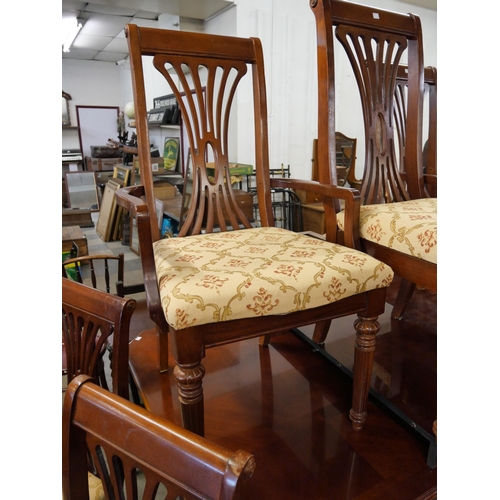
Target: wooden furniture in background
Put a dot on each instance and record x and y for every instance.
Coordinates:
(78, 217)
(207, 56)
(313, 213)
(125, 441)
(375, 41)
(346, 158)
(73, 234)
(89, 318)
(101, 268)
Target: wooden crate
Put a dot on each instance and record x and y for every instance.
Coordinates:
(77, 217)
(74, 234)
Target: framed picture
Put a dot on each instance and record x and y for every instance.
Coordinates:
(81, 190)
(122, 173)
(170, 153)
(107, 214)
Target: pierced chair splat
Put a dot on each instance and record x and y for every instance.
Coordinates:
(223, 280)
(89, 318)
(398, 222)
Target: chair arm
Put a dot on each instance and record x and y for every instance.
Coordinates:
(329, 193)
(130, 198)
(430, 179)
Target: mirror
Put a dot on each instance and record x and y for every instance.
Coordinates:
(66, 122)
(82, 190)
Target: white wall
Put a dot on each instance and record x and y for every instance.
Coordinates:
(89, 83)
(286, 29)
(287, 32)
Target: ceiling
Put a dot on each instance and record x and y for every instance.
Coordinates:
(102, 37)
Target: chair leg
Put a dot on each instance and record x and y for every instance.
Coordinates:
(190, 390)
(321, 331)
(162, 350)
(406, 289)
(366, 331)
(264, 340)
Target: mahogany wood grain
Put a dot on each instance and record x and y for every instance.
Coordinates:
(124, 440)
(288, 406)
(89, 318)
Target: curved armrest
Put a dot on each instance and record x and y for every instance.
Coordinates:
(430, 179)
(329, 193)
(130, 198)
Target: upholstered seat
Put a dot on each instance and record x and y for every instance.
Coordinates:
(262, 271)
(410, 227)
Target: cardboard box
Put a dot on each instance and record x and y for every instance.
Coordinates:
(313, 218)
(157, 167)
(99, 164)
(164, 190)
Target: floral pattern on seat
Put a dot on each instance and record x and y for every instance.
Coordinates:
(257, 272)
(409, 227)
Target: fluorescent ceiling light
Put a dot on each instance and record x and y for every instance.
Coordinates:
(73, 28)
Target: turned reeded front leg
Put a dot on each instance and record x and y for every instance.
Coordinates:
(366, 330)
(190, 390)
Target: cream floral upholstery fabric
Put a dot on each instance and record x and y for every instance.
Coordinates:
(409, 227)
(257, 272)
(96, 489)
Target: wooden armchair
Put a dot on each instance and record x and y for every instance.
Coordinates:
(89, 318)
(397, 221)
(222, 279)
(133, 449)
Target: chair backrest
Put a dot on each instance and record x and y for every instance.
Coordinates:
(203, 72)
(101, 268)
(376, 41)
(98, 265)
(126, 441)
(89, 318)
(400, 111)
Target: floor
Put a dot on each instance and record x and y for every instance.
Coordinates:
(288, 405)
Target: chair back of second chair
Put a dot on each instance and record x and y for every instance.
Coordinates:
(375, 42)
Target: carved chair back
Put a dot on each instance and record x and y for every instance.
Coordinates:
(89, 318)
(376, 43)
(430, 121)
(205, 88)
